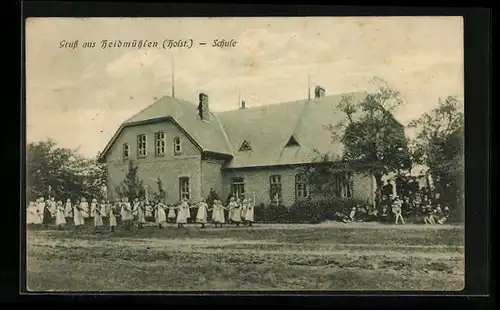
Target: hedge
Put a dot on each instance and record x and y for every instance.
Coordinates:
(314, 211)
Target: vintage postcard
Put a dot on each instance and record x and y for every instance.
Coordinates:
(244, 154)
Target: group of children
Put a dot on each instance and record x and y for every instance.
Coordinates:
(397, 209)
(42, 212)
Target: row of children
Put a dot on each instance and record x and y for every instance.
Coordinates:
(45, 212)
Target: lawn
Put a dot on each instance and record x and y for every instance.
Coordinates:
(330, 256)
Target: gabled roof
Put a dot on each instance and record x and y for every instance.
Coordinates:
(270, 127)
(208, 136)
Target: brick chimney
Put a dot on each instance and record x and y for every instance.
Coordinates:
(319, 92)
(203, 110)
(243, 105)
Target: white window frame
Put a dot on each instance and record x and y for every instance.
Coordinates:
(142, 146)
(177, 146)
(125, 149)
(160, 143)
(238, 186)
(302, 190)
(184, 190)
(275, 181)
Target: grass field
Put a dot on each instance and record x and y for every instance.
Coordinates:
(330, 256)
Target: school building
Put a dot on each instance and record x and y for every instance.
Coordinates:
(251, 151)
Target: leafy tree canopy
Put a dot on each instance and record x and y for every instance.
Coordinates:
(62, 173)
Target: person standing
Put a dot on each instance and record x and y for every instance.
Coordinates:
(236, 212)
(68, 210)
(249, 214)
(41, 208)
(78, 218)
(112, 218)
(60, 216)
(202, 213)
(52, 206)
(182, 214)
(47, 215)
(139, 211)
(126, 213)
(84, 205)
(97, 216)
(161, 219)
(218, 213)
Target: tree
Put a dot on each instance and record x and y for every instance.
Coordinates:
(160, 195)
(439, 145)
(61, 173)
(373, 139)
(131, 186)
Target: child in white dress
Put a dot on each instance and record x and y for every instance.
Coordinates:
(78, 218)
(183, 213)
(236, 211)
(68, 209)
(84, 206)
(126, 213)
(97, 216)
(112, 218)
(104, 208)
(202, 214)
(244, 207)
(171, 214)
(161, 219)
(139, 211)
(249, 215)
(218, 213)
(60, 218)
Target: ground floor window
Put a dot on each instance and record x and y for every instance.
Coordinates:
(301, 187)
(275, 188)
(238, 187)
(184, 189)
(343, 184)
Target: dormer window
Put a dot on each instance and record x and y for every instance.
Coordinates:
(292, 142)
(245, 146)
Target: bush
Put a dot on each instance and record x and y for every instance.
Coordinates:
(314, 211)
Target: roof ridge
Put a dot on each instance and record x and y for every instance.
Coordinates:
(226, 138)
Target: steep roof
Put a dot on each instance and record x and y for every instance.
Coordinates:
(269, 128)
(209, 136)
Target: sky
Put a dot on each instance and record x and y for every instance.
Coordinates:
(79, 97)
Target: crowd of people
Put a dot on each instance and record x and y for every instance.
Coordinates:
(137, 213)
(410, 202)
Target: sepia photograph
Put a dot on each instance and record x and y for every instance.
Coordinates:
(244, 154)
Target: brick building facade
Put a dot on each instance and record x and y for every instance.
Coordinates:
(252, 152)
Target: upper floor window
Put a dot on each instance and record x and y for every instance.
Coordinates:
(301, 187)
(275, 188)
(125, 150)
(160, 143)
(177, 146)
(141, 146)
